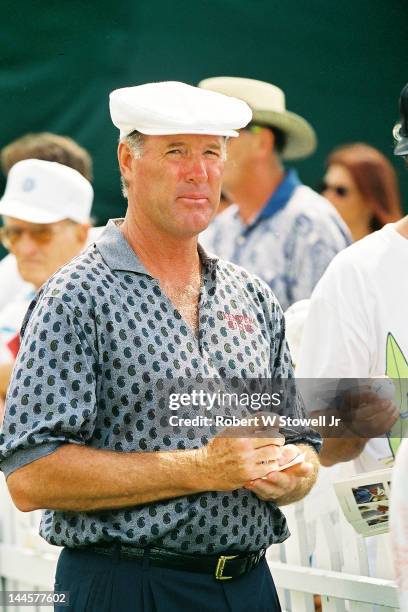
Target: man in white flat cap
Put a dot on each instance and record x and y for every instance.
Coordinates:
(46, 214)
(152, 517)
(279, 228)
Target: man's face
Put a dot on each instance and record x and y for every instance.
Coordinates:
(175, 185)
(241, 154)
(40, 249)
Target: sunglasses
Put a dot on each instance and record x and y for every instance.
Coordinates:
(41, 234)
(339, 190)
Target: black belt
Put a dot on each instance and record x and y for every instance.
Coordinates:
(222, 567)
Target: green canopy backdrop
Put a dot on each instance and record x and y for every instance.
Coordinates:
(341, 65)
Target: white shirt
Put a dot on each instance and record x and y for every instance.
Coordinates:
(357, 325)
(11, 283)
(399, 522)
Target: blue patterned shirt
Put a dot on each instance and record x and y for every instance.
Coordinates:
(100, 346)
(289, 244)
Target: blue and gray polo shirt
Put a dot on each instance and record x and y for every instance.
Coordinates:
(99, 345)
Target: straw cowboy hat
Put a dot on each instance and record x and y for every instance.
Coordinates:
(268, 106)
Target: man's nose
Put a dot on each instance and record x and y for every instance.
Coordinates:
(26, 244)
(196, 170)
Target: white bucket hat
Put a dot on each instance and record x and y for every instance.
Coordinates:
(268, 107)
(39, 191)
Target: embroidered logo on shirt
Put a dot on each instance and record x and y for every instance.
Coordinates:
(240, 322)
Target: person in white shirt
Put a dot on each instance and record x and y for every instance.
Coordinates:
(357, 329)
(399, 488)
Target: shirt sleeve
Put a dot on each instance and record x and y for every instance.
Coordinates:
(51, 398)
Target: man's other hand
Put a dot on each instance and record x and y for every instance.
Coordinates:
(288, 485)
(368, 415)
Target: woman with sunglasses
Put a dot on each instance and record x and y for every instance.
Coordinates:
(362, 185)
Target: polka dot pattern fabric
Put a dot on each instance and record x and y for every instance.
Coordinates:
(98, 345)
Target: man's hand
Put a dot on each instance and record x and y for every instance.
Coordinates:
(363, 414)
(227, 463)
(289, 485)
(84, 479)
(367, 415)
(365, 408)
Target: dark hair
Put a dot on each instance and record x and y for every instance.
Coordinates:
(280, 137)
(49, 147)
(375, 179)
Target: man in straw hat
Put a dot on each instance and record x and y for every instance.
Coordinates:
(279, 229)
(151, 517)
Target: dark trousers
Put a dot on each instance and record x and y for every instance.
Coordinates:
(110, 584)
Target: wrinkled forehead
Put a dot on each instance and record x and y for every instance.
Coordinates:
(186, 139)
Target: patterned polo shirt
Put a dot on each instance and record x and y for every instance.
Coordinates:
(98, 345)
(290, 242)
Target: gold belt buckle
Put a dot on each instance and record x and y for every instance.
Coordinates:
(220, 567)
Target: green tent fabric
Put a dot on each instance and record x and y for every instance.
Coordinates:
(341, 65)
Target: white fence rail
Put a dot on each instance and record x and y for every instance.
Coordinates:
(339, 573)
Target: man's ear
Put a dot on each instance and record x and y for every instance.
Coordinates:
(266, 143)
(125, 158)
(82, 230)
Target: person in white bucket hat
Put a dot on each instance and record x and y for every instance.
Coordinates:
(46, 215)
(278, 228)
(169, 518)
(49, 147)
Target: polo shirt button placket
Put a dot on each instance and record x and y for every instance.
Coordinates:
(202, 343)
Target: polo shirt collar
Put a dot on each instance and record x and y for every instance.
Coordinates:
(281, 195)
(119, 255)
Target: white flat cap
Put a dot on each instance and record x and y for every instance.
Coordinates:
(170, 107)
(39, 191)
